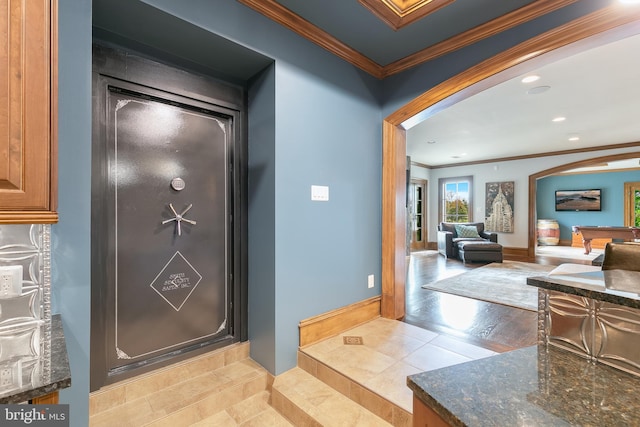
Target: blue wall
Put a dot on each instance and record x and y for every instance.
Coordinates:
(612, 200)
(326, 118)
(314, 120)
(71, 250)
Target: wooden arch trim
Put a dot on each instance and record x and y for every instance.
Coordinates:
(533, 180)
(443, 95)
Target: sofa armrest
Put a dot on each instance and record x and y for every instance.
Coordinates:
(490, 236)
(445, 243)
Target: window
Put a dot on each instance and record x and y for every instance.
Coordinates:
(455, 199)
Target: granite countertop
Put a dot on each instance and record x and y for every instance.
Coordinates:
(620, 287)
(533, 386)
(29, 377)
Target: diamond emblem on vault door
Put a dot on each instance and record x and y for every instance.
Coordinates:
(176, 281)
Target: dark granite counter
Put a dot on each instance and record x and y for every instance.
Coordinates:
(534, 386)
(615, 286)
(25, 377)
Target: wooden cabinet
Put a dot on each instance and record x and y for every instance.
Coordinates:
(28, 111)
(423, 416)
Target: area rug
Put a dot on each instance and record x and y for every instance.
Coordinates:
(502, 283)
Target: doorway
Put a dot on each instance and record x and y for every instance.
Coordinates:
(167, 265)
(632, 204)
(418, 214)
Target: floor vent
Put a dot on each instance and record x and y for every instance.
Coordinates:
(352, 340)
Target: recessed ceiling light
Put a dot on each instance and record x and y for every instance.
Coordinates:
(559, 119)
(529, 79)
(574, 138)
(431, 142)
(538, 89)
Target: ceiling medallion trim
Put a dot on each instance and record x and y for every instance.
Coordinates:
(400, 13)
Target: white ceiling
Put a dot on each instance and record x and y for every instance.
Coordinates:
(598, 91)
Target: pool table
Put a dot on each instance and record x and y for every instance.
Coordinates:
(604, 232)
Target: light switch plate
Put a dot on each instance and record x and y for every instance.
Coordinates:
(319, 193)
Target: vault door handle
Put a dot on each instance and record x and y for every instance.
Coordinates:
(179, 217)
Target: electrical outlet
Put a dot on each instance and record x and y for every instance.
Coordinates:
(10, 281)
(371, 281)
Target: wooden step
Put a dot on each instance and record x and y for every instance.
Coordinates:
(306, 401)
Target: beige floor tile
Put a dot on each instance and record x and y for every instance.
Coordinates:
(307, 363)
(334, 379)
(392, 385)
(340, 411)
(268, 418)
(397, 346)
(221, 419)
(372, 401)
(106, 399)
(186, 417)
(207, 363)
(465, 349)
(357, 362)
(324, 347)
(430, 357)
(171, 399)
(249, 407)
(132, 414)
(214, 403)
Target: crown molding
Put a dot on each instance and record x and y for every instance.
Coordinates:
(533, 156)
(285, 17)
(507, 21)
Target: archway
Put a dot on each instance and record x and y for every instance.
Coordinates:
(610, 23)
(533, 180)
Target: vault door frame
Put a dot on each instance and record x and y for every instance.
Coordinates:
(113, 65)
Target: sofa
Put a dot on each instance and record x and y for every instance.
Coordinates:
(468, 241)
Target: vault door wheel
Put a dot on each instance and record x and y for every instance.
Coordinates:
(178, 218)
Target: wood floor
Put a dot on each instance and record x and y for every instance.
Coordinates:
(493, 326)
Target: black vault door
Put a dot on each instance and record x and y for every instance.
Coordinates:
(169, 181)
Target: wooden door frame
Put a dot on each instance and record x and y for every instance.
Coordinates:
(629, 201)
(572, 37)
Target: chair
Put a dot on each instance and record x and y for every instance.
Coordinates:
(621, 256)
(468, 242)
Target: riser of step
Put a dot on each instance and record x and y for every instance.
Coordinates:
(373, 402)
(306, 401)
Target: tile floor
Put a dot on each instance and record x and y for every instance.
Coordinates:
(390, 351)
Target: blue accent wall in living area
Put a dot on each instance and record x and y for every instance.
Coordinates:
(612, 199)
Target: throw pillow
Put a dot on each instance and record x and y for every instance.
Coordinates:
(467, 231)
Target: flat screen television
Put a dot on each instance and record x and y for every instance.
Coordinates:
(578, 200)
